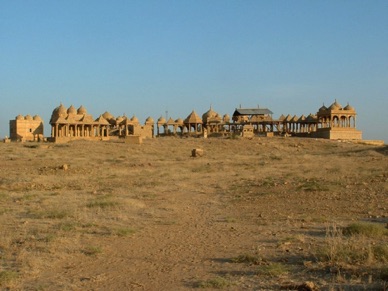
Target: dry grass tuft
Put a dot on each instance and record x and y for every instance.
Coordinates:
(91, 250)
(354, 247)
(124, 231)
(102, 203)
(215, 283)
(250, 259)
(273, 270)
(264, 199)
(372, 230)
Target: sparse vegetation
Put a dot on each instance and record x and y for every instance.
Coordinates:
(314, 185)
(250, 259)
(215, 283)
(3, 196)
(359, 244)
(92, 250)
(124, 231)
(272, 269)
(152, 214)
(7, 277)
(372, 230)
(102, 203)
(67, 226)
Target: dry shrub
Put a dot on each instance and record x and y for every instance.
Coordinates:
(372, 230)
(102, 203)
(123, 231)
(273, 270)
(91, 250)
(250, 259)
(356, 244)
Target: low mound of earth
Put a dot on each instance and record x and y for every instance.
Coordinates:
(249, 214)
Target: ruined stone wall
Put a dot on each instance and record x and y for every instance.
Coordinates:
(145, 131)
(26, 130)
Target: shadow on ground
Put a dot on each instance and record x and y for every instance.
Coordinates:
(383, 150)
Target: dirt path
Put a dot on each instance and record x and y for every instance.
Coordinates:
(185, 220)
(188, 240)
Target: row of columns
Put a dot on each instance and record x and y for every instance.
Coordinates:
(191, 128)
(79, 130)
(337, 121)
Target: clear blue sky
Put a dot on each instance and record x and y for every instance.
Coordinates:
(148, 57)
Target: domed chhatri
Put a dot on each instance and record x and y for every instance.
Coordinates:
(150, 120)
(72, 124)
(134, 119)
(208, 115)
(337, 123)
(332, 122)
(161, 120)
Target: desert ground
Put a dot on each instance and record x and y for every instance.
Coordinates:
(250, 214)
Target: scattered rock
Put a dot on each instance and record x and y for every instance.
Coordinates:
(306, 286)
(64, 167)
(197, 153)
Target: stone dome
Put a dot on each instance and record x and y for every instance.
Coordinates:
(161, 120)
(226, 118)
(323, 108)
(179, 121)
(60, 110)
(107, 115)
(149, 120)
(349, 107)
(71, 110)
(81, 110)
(19, 117)
(28, 117)
(134, 119)
(209, 114)
(335, 106)
(37, 118)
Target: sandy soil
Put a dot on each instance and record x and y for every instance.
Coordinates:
(248, 215)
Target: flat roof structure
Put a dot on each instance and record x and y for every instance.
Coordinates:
(252, 111)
